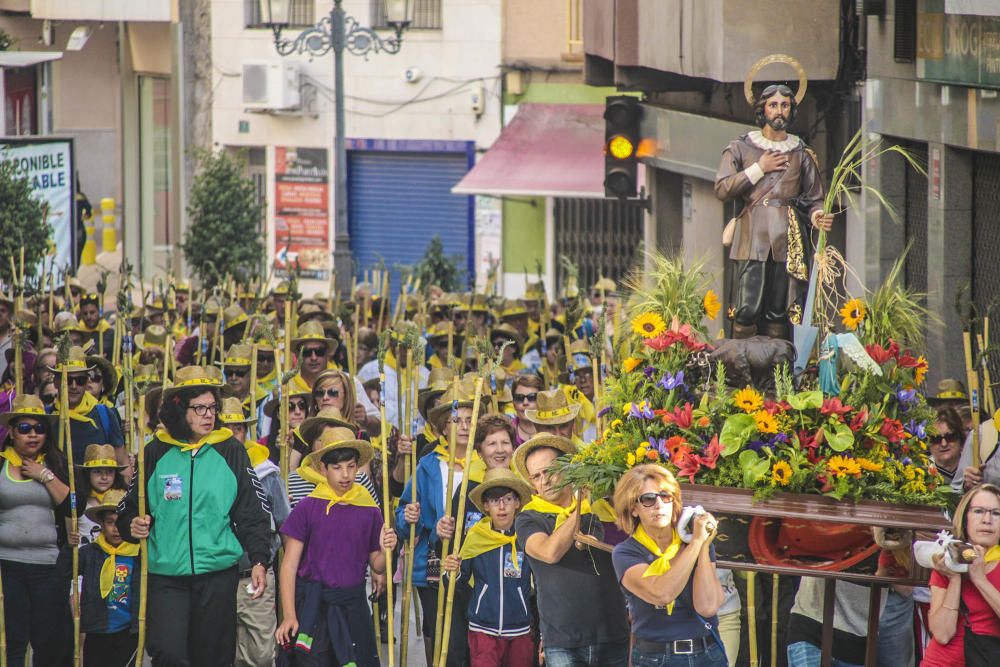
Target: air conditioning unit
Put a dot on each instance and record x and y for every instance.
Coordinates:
(271, 86)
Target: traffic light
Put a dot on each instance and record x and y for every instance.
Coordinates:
(621, 140)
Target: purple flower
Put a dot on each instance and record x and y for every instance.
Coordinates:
(671, 382)
(906, 396)
(906, 460)
(641, 411)
(919, 430)
(604, 411)
(778, 439)
(648, 372)
(757, 445)
(661, 447)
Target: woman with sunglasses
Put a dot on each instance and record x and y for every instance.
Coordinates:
(524, 390)
(204, 512)
(299, 405)
(946, 447)
(672, 589)
(964, 619)
(33, 486)
(337, 389)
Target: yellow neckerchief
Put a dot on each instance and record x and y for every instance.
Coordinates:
(539, 504)
(482, 538)
(602, 510)
(98, 496)
(390, 360)
(101, 327)
(992, 554)
(476, 466)
(179, 329)
(662, 562)
(80, 412)
(587, 411)
(215, 437)
(357, 496)
(261, 395)
(108, 568)
(514, 368)
(15, 459)
(298, 385)
(429, 433)
(267, 381)
(435, 362)
(257, 452)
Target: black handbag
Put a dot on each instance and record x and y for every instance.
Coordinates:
(980, 650)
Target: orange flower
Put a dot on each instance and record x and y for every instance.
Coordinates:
(652, 455)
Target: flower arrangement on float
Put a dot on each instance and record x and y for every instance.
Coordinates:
(865, 440)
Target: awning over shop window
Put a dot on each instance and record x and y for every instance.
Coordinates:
(27, 58)
(551, 150)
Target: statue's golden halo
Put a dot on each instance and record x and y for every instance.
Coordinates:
(770, 60)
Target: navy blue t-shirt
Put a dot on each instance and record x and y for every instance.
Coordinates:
(105, 430)
(120, 598)
(651, 623)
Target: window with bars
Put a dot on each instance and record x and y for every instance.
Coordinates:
(302, 14)
(600, 236)
(905, 31)
(426, 15)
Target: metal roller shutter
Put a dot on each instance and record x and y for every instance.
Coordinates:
(986, 233)
(398, 201)
(915, 219)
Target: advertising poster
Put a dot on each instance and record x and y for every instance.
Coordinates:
(48, 165)
(302, 211)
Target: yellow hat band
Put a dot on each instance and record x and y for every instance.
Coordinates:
(30, 411)
(239, 320)
(101, 463)
(193, 382)
(558, 412)
(236, 361)
(951, 394)
(232, 418)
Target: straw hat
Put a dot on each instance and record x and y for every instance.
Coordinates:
(65, 321)
(238, 356)
(232, 412)
(510, 333)
(438, 382)
(100, 456)
(501, 478)
(948, 389)
(340, 438)
(313, 332)
(552, 408)
(535, 292)
(153, 338)
(112, 499)
(564, 445)
(212, 308)
(313, 311)
(27, 405)
(311, 428)
(194, 376)
(512, 308)
(439, 333)
(463, 398)
(580, 356)
(606, 285)
(146, 374)
(76, 362)
(271, 407)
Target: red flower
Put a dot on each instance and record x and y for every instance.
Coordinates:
(710, 454)
(677, 446)
(774, 408)
(807, 441)
(878, 353)
(687, 465)
(906, 360)
(892, 430)
(676, 334)
(858, 422)
(680, 416)
(833, 406)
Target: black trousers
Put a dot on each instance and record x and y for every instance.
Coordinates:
(192, 620)
(761, 293)
(112, 649)
(36, 610)
(458, 641)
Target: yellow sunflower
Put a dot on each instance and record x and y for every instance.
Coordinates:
(853, 313)
(869, 465)
(842, 466)
(781, 474)
(649, 325)
(631, 364)
(711, 304)
(766, 423)
(920, 372)
(748, 400)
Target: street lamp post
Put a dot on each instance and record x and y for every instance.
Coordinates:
(338, 32)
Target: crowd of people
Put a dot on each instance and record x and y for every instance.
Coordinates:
(287, 478)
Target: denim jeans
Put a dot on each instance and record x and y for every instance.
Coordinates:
(596, 655)
(713, 657)
(804, 654)
(36, 610)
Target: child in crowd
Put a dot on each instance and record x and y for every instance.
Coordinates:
(499, 612)
(109, 607)
(330, 538)
(98, 473)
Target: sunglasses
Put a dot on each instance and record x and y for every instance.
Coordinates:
(49, 399)
(944, 437)
(297, 405)
(649, 499)
(24, 428)
(526, 398)
(314, 352)
(265, 358)
(329, 393)
(78, 380)
(238, 374)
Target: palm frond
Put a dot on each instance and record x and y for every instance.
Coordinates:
(669, 289)
(897, 312)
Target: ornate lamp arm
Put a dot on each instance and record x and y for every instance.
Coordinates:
(318, 40)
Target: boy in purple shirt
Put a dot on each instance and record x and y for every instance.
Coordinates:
(330, 538)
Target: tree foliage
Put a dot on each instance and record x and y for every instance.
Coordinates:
(435, 268)
(224, 236)
(23, 222)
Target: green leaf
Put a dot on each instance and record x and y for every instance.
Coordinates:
(806, 400)
(735, 432)
(840, 439)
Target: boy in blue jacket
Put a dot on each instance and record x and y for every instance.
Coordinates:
(499, 610)
(109, 599)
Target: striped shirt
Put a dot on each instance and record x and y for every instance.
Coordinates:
(299, 488)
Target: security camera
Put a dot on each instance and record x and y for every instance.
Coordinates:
(413, 74)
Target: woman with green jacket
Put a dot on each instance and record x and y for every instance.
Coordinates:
(206, 508)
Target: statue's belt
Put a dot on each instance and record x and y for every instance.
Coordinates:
(776, 203)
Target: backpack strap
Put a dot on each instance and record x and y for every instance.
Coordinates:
(102, 411)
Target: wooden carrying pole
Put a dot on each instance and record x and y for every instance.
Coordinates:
(459, 520)
(449, 492)
(404, 630)
(972, 378)
(286, 358)
(387, 520)
(66, 444)
(253, 391)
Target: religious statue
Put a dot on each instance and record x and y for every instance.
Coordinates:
(775, 177)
